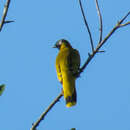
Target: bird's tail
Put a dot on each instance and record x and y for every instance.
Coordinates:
(71, 100)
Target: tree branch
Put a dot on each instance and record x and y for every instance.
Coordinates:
(34, 125)
(90, 57)
(100, 20)
(121, 25)
(118, 25)
(86, 24)
(6, 7)
(122, 20)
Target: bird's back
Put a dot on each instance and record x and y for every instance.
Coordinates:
(68, 62)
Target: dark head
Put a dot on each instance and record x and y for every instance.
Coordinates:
(62, 43)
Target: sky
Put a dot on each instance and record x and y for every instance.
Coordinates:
(28, 66)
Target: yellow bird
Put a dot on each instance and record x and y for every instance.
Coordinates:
(67, 67)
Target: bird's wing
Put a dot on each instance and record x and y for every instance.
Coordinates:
(74, 61)
(58, 68)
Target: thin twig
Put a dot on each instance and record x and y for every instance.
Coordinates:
(85, 21)
(121, 21)
(118, 25)
(46, 111)
(9, 21)
(6, 7)
(100, 20)
(121, 25)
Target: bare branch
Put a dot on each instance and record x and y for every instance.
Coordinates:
(122, 20)
(6, 7)
(121, 25)
(100, 20)
(118, 25)
(86, 24)
(46, 111)
(9, 21)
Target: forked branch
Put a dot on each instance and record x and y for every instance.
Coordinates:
(5, 10)
(91, 55)
(117, 26)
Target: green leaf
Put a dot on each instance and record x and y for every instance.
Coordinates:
(2, 88)
(73, 128)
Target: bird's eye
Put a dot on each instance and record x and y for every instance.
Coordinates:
(60, 42)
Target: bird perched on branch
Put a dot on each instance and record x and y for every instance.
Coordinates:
(67, 68)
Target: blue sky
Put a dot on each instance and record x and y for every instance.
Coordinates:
(28, 66)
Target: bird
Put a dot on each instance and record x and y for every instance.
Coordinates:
(67, 69)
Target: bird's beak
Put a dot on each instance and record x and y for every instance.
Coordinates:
(54, 46)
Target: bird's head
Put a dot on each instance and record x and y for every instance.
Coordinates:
(61, 44)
